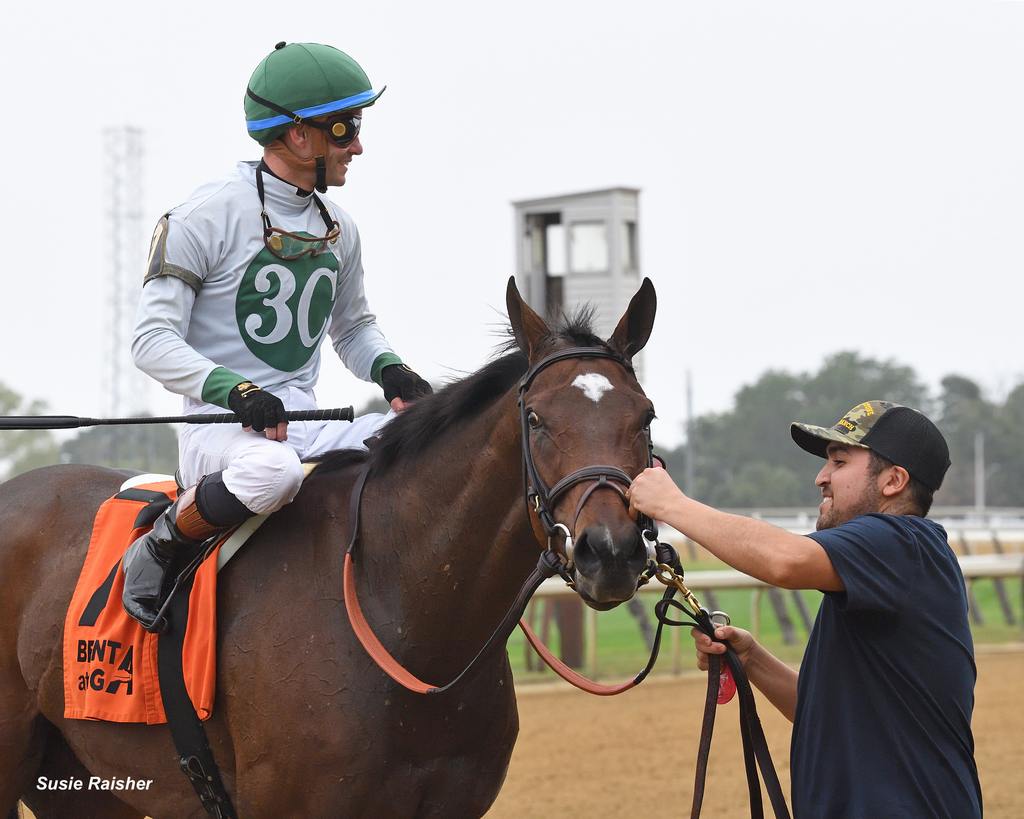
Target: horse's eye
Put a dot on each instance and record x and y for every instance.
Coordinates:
(533, 419)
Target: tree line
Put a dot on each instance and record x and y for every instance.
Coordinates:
(743, 457)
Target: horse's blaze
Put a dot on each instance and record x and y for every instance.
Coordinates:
(593, 385)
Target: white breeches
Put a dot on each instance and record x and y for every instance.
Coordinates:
(263, 474)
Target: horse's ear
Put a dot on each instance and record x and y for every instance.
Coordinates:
(635, 326)
(528, 328)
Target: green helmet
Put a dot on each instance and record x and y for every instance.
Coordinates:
(302, 80)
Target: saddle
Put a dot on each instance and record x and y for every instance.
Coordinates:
(110, 662)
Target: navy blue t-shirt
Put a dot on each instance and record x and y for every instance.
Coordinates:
(886, 687)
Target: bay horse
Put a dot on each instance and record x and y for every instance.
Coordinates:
(305, 724)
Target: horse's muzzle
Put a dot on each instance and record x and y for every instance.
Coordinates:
(608, 565)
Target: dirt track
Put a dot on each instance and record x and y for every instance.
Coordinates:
(633, 755)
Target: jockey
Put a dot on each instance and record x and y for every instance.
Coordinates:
(243, 281)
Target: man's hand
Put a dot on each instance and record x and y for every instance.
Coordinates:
(258, 410)
(402, 386)
(654, 493)
(776, 680)
(742, 643)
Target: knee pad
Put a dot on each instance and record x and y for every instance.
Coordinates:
(216, 503)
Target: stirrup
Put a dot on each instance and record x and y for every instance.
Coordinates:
(160, 621)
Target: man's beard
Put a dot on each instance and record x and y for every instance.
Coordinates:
(869, 501)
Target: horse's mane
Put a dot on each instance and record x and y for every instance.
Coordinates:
(429, 418)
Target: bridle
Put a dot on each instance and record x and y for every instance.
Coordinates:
(663, 563)
(542, 500)
(552, 561)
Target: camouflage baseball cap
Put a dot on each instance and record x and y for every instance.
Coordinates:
(897, 433)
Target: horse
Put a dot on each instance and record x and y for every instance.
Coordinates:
(305, 724)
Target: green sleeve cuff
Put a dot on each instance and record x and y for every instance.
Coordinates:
(379, 363)
(218, 384)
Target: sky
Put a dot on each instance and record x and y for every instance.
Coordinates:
(814, 177)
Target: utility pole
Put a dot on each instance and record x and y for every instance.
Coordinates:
(979, 472)
(125, 259)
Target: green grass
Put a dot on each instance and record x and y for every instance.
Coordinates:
(995, 628)
(621, 651)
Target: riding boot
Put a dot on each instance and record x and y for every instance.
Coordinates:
(152, 562)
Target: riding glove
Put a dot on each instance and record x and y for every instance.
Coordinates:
(254, 407)
(399, 381)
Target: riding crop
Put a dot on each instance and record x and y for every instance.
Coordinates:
(73, 421)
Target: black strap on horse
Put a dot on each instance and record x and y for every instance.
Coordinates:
(542, 499)
(755, 746)
(549, 563)
(194, 754)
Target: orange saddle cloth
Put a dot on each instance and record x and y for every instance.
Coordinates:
(110, 661)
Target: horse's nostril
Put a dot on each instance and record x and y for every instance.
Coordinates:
(584, 555)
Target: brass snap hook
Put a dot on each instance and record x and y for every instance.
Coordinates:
(670, 577)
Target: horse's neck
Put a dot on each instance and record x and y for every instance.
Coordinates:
(448, 541)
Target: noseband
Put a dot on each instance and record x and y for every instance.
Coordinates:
(542, 499)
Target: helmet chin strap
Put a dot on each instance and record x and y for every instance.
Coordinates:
(295, 163)
(321, 174)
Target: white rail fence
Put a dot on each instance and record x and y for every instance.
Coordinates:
(974, 566)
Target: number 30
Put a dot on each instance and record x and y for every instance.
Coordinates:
(283, 318)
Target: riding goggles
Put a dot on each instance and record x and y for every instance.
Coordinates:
(288, 246)
(341, 129)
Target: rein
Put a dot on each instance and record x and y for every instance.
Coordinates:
(541, 500)
(547, 566)
(663, 564)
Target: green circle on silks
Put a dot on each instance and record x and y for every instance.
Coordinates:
(283, 307)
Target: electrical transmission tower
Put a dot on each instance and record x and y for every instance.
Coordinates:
(126, 388)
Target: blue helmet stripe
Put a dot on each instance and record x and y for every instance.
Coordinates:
(315, 111)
